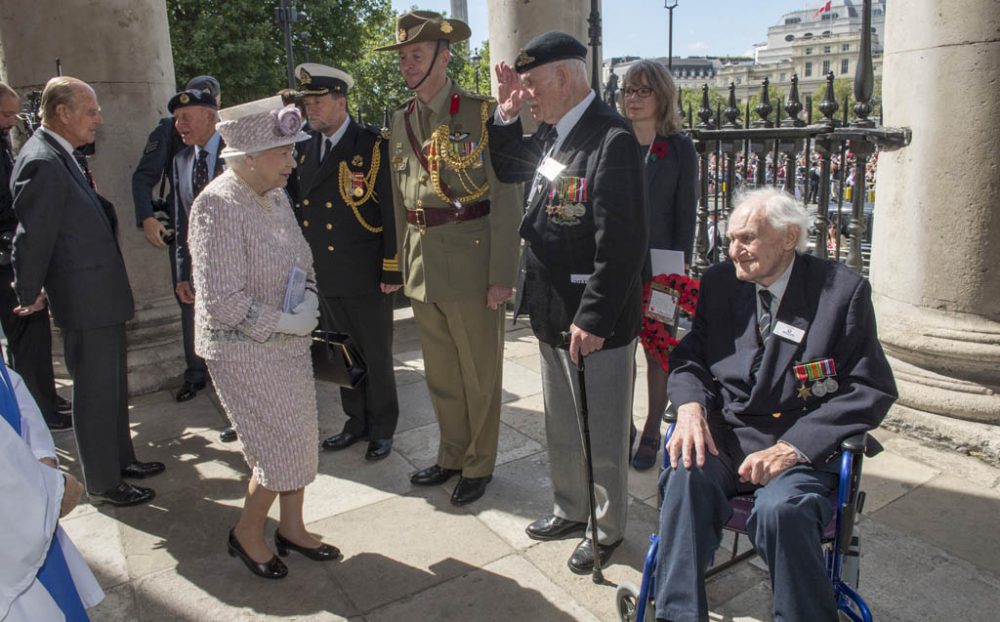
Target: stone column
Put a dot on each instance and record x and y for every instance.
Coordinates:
(936, 243)
(122, 49)
(513, 23)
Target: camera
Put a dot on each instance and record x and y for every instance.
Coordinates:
(161, 213)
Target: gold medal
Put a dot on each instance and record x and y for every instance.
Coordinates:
(358, 191)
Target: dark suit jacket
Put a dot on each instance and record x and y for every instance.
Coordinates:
(180, 181)
(66, 240)
(833, 306)
(349, 258)
(672, 197)
(8, 221)
(587, 273)
(155, 165)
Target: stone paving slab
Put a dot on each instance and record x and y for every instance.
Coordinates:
(927, 548)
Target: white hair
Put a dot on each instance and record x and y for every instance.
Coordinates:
(780, 209)
(576, 68)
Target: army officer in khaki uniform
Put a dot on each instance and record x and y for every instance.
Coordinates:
(458, 241)
(344, 201)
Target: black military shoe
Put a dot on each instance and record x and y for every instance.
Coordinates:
(123, 495)
(552, 527)
(228, 435)
(141, 470)
(582, 559)
(341, 441)
(63, 406)
(60, 422)
(433, 475)
(189, 390)
(469, 489)
(378, 450)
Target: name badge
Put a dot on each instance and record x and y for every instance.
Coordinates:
(550, 168)
(789, 332)
(579, 279)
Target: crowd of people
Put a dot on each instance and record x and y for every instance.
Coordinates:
(277, 222)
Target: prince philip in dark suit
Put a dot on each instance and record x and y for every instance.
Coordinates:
(782, 363)
(585, 243)
(67, 243)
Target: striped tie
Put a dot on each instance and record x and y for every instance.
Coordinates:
(764, 321)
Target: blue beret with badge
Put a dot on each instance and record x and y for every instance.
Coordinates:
(192, 97)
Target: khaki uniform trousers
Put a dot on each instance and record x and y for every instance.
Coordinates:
(462, 343)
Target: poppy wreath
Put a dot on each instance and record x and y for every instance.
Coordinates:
(655, 336)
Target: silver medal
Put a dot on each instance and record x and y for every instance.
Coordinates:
(831, 385)
(819, 388)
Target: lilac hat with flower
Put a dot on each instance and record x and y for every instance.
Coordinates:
(258, 126)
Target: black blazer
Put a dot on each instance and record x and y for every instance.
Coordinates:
(586, 272)
(672, 197)
(66, 240)
(350, 259)
(828, 301)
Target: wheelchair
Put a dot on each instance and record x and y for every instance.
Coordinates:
(840, 542)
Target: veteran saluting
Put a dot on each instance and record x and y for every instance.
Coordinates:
(344, 201)
(457, 231)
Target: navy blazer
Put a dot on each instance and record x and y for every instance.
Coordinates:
(66, 240)
(183, 200)
(672, 197)
(828, 301)
(586, 272)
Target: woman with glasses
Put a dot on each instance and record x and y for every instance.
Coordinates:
(649, 102)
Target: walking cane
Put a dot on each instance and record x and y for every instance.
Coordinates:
(581, 375)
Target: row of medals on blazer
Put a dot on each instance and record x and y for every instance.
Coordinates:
(356, 187)
(444, 146)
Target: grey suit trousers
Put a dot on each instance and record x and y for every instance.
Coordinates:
(785, 526)
(609, 378)
(96, 360)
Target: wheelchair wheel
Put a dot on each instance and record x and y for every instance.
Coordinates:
(627, 601)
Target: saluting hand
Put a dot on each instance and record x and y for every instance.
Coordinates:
(509, 93)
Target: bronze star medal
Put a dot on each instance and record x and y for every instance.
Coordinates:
(804, 392)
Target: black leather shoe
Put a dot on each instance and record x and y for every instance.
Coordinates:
(552, 527)
(433, 475)
(378, 450)
(141, 470)
(63, 406)
(469, 489)
(228, 435)
(60, 422)
(322, 553)
(341, 441)
(189, 390)
(582, 559)
(123, 495)
(273, 568)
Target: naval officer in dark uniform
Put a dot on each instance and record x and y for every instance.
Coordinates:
(343, 196)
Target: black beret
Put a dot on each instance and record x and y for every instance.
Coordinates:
(547, 48)
(192, 97)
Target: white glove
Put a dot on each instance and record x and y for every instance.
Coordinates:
(309, 304)
(301, 324)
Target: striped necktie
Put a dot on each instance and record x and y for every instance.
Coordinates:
(764, 320)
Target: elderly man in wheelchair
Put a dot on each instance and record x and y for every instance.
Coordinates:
(782, 364)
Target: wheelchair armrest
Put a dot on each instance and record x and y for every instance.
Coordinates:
(855, 444)
(669, 417)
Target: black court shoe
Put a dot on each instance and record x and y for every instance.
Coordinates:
(321, 553)
(273, 568)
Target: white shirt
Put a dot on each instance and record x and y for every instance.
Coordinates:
(329, 142)
(569, 120)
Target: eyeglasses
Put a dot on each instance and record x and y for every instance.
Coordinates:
(643, 92)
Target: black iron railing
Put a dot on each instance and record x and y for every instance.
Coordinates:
(736, 153)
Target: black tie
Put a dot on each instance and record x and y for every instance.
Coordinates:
(550, 141)
(85, 168)
(763, 330)
(327, 148)
(200, 179)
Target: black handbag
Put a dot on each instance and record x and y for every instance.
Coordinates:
(336, 358)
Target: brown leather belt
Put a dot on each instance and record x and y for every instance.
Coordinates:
(435, 216)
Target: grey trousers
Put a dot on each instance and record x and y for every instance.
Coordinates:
(785, 526)
(609, 378)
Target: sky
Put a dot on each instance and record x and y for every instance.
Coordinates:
(639, 27)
